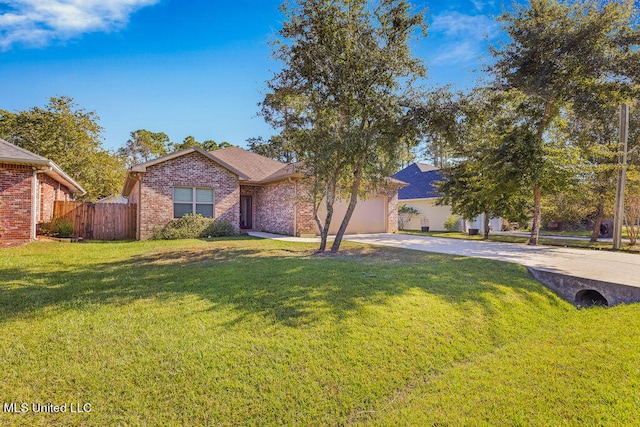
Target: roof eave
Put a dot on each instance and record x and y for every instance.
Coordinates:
(49, 168)
(59, 175)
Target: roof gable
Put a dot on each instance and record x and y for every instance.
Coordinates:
(422, 179)
(12, 154)
(142, 167)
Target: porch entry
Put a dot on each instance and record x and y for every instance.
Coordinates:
(246, 213)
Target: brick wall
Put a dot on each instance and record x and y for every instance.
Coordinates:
(50, 190)
(189, 170)
(274, 209)
(15, 190)
(306, 221)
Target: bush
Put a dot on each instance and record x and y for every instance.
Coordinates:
(193, 226)
(64, 228)
(219, 228)
(451, 223)
(405, 213)
(58, 227)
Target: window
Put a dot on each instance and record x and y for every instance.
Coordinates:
(192, 200)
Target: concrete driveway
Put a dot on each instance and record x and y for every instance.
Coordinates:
(603, 266)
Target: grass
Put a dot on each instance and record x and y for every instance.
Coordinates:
(252, 332)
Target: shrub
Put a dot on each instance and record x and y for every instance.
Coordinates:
(57, 227)
(405, 213)
(451, 223)
(193, 226)
(219, 228)
(64, 228)
(190, 226)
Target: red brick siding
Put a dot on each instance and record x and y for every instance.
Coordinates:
(305, 220)
(15, 190)
(274, 208)
(50, 190)
(190, 170)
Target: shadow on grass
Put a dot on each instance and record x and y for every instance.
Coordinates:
(283, 283)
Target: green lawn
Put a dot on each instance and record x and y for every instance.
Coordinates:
(253, 332)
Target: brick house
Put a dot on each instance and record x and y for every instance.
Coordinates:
(29, 184)
(250, 191)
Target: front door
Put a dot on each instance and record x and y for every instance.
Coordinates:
(245, 212)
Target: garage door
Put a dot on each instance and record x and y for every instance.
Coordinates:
(368, 217)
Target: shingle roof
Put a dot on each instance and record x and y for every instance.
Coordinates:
(422, 180)
(12, 154)
(256, 167)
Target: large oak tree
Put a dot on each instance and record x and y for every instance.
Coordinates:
(343, 95)
(72, 138)
(559, 53)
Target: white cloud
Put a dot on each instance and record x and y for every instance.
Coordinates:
(465, 36)
(38, 22)
(479, 5)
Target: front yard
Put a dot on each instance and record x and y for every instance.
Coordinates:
(252, 332)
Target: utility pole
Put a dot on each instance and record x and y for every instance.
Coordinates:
(618, 213)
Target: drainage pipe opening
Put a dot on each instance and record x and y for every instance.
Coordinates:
(590, 297)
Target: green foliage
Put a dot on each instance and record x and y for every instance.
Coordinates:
(57, 227)
(193, 226)
(275, 148)
(342, 60)
(561, 55)
(64, 227)
(451, 223)
(70, 137)
(208, 145)
(485, 174)
(219, 228)
(405, 213)
(145, 145)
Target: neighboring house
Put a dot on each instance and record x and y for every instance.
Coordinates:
(422, 194)
(121, 200)
(250, 191)
(29, 184)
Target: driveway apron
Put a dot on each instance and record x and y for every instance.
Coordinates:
(605, 266)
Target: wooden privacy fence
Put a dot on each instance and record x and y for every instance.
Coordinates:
(99, 221)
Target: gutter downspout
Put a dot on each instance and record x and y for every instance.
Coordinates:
(34, 202)
(139, 207)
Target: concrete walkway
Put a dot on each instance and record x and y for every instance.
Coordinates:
(603, 266)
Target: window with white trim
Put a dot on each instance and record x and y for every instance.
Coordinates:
(193, 200)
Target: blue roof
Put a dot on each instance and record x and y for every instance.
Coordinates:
(421, 179)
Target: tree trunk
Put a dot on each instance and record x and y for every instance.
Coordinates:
(486, 226)
(330, 197)
(537, 216)
(353, 200)
(597, 222)
(537, 213)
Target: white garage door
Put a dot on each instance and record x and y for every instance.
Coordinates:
(368, 217)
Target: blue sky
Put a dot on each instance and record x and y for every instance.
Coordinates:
(194, 67)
